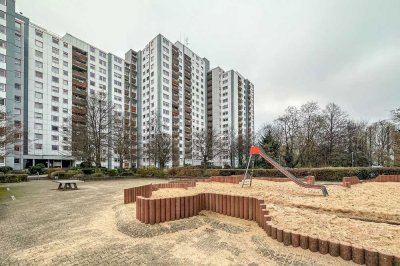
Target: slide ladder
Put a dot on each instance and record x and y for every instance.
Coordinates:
(254, 150)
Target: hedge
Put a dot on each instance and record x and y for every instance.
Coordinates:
(321, 174)
(13, 178)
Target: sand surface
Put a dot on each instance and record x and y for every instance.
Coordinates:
(366, 215)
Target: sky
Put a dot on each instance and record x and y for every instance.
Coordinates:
(341, 51)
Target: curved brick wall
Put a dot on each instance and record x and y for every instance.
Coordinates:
(350, 180)
(130, 194)
(388, 178)
(152, 211)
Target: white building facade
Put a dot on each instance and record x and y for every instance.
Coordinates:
(230, 113)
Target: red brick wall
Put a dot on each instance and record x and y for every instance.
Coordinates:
(388, 178)
(350, 180)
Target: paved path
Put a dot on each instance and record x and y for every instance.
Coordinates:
(91, 226)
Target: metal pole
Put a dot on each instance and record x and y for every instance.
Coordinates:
(247, 169)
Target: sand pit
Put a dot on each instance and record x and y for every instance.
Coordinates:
(366, 215)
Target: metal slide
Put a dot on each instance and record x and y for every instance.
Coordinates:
(254, 150)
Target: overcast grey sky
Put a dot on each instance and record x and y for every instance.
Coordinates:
(345, 51)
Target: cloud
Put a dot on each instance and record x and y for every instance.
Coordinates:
(293, 51)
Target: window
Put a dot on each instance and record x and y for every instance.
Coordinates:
(38, 74)
(66, 45)
(39, 33)
(65, 63)
(92, 49)
(92, 58)
(3, 14)
(39, 43)
(55, 50)
(54, 98)
(54, 70)
(38, 105)
(55, 40)
(54, 128)
(38, 115)
(65, 72)
(38, 126)
(54, 147)
(3, 44)
(2, 29)
(38, 85)
(2, 58)
(54, 108)
(65, 54)
(38, 95)
(38, 136)
(2, 72)
(38, 64)
(54, 118)
(2, 87)
(54, 79)
(102, 62)
(54, 137)
(17, 111)
(17, 74)
(17, 99)
(65, 101)
(65, 82)
(116, 67)
(55, 60)
(38, 146)
(39, 53)
(16, 161)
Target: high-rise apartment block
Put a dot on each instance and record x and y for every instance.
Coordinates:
(47, 82)
(230, 113)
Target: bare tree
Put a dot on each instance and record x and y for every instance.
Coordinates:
(159, 146)
(335, 121)
(289, 128)
(382, 142)
(207, 145)
(10, 134)
(121, 140)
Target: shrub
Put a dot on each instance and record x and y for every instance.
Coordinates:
(56, 173)
(151, 171)
(127, 174)
(51, 170)
(112, 172)
(5, 169)
(67, 175)
(37, 169)
(97, 174)
(88, 171)
(13, 178)
(85, 165)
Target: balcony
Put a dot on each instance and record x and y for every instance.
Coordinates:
(78, 111)
(78, 55)
(79, 92)
(79, 64)
(79, 84)
(79, 74)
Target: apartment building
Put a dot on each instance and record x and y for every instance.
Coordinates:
(230, 113)
(13, 85)
(46, 81)
(172, 82)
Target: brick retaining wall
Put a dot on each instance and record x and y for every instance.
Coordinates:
(130, 194)
(388, 178)
(153, 211)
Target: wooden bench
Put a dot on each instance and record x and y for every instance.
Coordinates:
(67, 184)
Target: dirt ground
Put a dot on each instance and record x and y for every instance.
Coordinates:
(366, 214)
(92, 226)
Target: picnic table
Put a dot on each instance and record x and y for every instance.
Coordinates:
(67, 184)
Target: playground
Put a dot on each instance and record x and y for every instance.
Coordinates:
(364, 214)
(354, 220)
